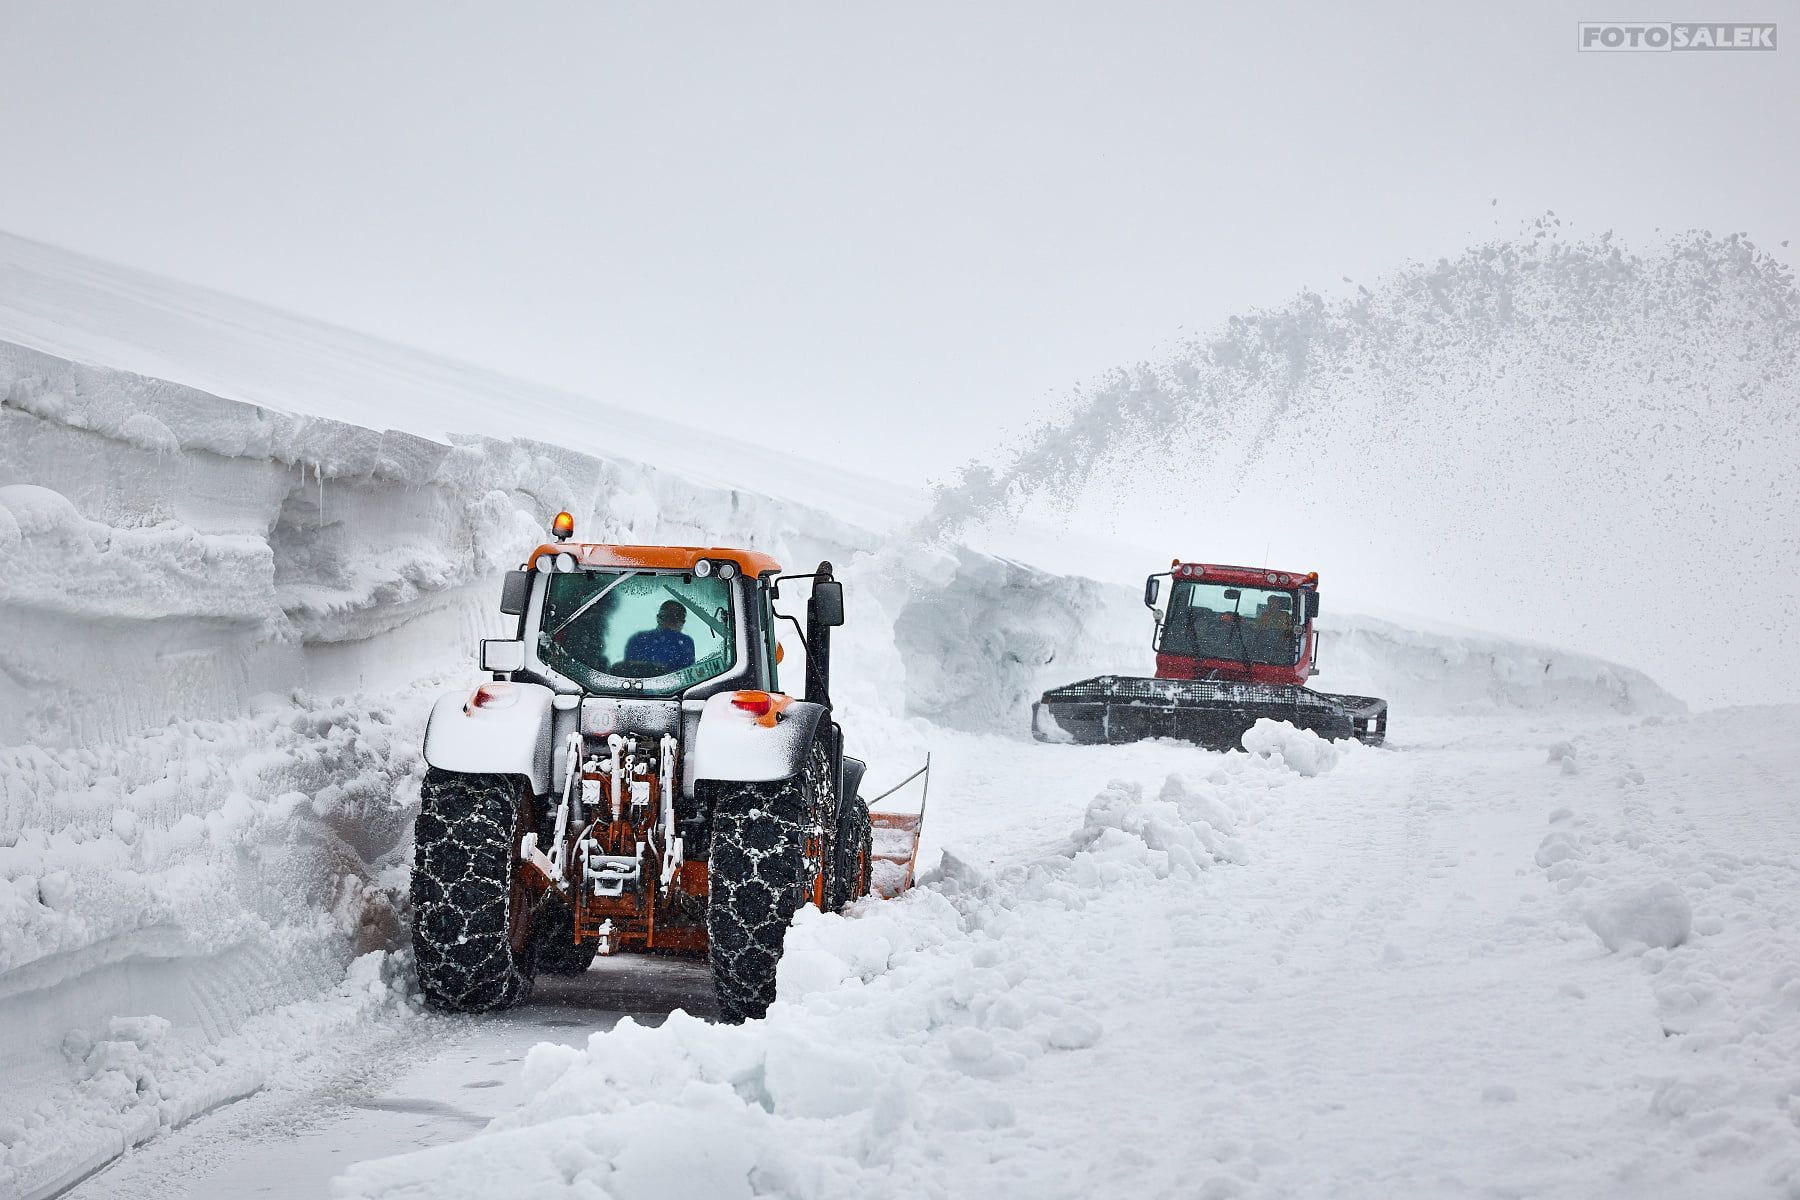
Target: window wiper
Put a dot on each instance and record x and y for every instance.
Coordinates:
(596, 598)
(1237, 623)
(711, 622)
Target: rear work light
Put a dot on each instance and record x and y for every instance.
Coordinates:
(492, 695)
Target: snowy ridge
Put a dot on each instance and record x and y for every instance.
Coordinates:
(97, 312)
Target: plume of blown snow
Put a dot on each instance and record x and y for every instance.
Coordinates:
(1531, 437)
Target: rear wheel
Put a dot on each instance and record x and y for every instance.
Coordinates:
(553, 942)
(471, 905)
(853, 854)
(760, 871)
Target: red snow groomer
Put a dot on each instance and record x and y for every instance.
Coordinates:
(1234, 645)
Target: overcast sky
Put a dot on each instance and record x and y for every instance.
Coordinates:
(882, 230)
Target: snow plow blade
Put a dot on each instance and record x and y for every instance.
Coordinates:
(895, 849)
(1110, 709)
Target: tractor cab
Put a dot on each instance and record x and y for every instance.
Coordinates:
(1234, 623)
(651, 623)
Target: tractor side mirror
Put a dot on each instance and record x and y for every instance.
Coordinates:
(502, 655)
(827, 603)
(1152, 590)
(515, 592)
(1312, 605)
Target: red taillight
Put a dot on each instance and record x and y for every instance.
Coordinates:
(757, 704)
(766, 707)
(492, 695)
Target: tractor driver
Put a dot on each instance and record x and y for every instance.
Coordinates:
(666, 645)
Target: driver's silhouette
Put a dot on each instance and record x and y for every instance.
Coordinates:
(666, 645)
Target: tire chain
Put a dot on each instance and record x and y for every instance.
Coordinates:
(757, 881)
(854, 852)
(463, 864)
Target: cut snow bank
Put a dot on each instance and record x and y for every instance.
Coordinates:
(1443, 672)
(980, 638)
(112, 316)
(240, 549)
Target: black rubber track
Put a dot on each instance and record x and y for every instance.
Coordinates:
(756, 881)
(466, 911)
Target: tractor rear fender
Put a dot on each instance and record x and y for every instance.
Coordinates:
(734, 745)
(851, 782)
(510, 736)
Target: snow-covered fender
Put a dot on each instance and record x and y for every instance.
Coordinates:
(506, 733)
(850, 783)
(734, 745)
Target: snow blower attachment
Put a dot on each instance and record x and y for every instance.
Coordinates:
(1235, 645)
(632, 778)
(896, 840)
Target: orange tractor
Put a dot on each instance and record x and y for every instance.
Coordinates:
(633, 778)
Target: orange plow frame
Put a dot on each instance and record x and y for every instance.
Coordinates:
(901, 859)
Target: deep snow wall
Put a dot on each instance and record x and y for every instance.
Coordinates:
(170, 553)
(982, 637)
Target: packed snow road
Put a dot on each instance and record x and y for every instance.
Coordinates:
(411, 1084)
(1508, 958)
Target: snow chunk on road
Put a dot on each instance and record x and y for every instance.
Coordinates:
(1655, 916)
(1303, 751)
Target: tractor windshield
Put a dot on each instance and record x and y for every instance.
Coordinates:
(641, 632)
(1239, 624)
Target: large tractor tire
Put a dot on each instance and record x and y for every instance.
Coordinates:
(553, 942)
(758, 876)
(471, 907)
(853, 854)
